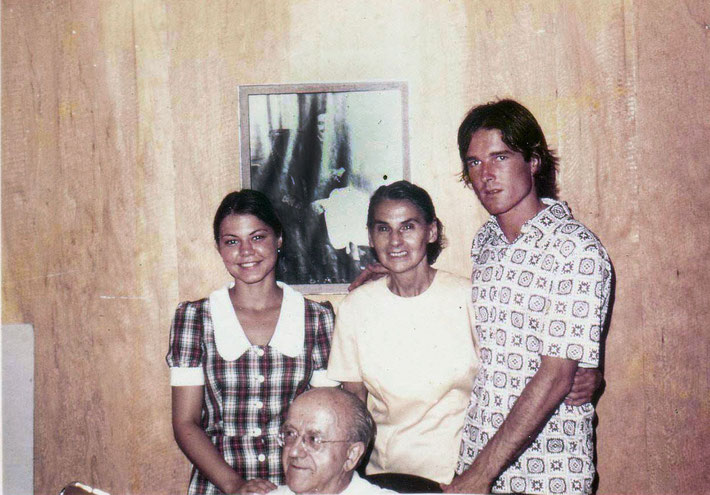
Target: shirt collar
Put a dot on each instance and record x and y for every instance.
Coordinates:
(232, 342)
(356, 485)
(544, 220)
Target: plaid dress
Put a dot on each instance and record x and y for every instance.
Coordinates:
(247, 387)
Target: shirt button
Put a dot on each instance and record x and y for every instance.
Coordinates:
(261, 457)
(256, 432)
(258, 404)
(260, 378)
(259, 351)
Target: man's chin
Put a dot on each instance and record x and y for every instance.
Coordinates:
(298, 480)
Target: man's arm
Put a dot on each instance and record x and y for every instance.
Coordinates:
(540, 398)
(368, 274)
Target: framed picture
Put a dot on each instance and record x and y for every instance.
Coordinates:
(319, 151)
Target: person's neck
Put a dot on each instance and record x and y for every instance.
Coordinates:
(261, 295)
(337, 485)
(413, 282)
(511, 222)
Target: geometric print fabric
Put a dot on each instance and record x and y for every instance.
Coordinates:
(546, 293)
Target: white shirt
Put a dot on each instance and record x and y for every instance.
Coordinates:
(416, 356)
(357, 486)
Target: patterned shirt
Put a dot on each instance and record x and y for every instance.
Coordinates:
(247, 387)
(545, 294)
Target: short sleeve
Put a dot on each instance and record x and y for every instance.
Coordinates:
(322, 348)
(344, 364)
(577, 306)
(185, 355)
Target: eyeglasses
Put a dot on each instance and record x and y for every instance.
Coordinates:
(312, 442)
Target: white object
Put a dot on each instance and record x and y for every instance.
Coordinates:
(17, 409)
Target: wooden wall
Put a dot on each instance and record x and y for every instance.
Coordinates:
(120, 137)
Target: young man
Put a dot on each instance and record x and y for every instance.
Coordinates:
(541, 284)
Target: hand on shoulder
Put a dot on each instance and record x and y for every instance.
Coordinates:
(256, 486)
(371, 272)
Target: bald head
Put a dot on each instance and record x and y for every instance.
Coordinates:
(353, 418)
(326, 433)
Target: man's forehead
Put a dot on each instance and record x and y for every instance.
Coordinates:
(313, 416)
(484, 139)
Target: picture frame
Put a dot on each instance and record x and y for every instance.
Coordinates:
(318, 152)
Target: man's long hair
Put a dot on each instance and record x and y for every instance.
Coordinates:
(520, 132)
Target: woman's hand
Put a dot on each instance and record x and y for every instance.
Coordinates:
(193, 441)
(256, 486)
(586, 383)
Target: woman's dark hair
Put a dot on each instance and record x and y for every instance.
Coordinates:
(247, 202)
(520, 132)
(404, 190)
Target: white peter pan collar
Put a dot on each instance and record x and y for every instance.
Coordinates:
(232, 342)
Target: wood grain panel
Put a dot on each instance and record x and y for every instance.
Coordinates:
(56, 188)
(673, 127)
(85, 228)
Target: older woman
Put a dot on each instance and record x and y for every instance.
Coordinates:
(405, 343)
(239, 357)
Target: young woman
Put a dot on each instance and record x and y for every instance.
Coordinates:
(239, 357)
(406, 342)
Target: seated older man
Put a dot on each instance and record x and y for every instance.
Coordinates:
(326, 433)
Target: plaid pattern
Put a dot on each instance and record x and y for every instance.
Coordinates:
(545, 294)
(245, 399)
